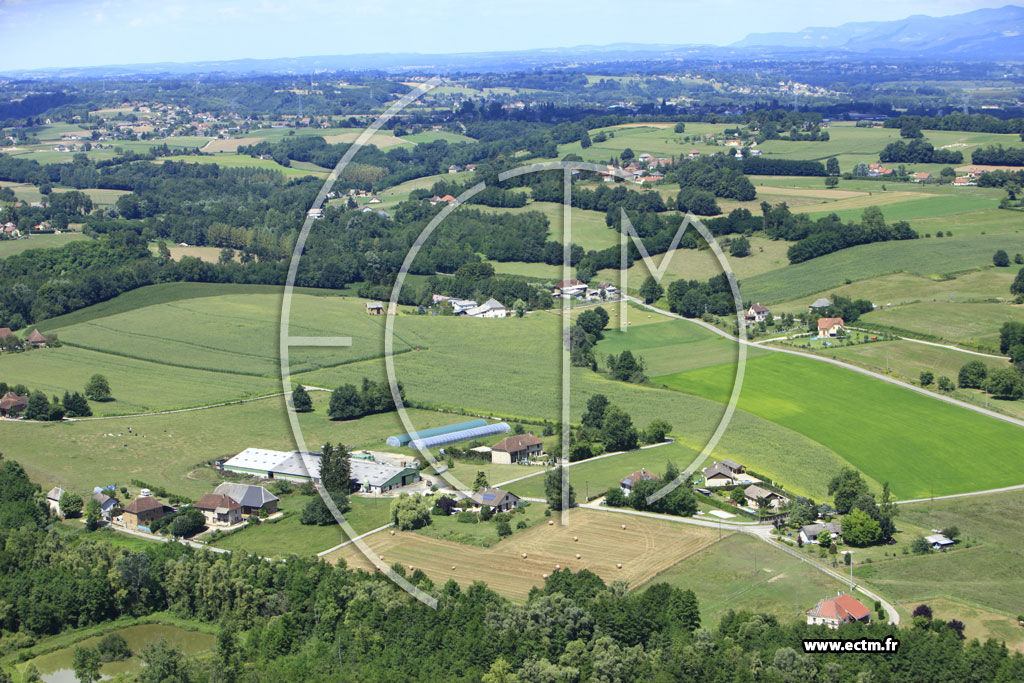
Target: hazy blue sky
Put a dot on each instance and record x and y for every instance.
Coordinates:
(41, 33)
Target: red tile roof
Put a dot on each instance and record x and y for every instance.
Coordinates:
(843, 608)
(519, 442)
(143, 504)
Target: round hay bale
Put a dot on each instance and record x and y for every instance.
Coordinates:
(412, 568)
(453, 567)
(577, 556)
(551, 522)
(623, 527)
(619, 565)
(558, 566)
(575, 539)
(544, 576)
(381, 557)
(524, 556)
(393, 531)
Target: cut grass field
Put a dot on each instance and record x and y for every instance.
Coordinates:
(286, 536)
(741, 572)
(986, 575)
(645, 548)
(924, 257)
(659, 140)
(914, 442)
(978, 622)
(198, 351)
(975, 324)
(12, 247)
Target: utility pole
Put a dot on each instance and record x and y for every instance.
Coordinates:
(850, 553)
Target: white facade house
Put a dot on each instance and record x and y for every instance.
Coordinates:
(492, 308)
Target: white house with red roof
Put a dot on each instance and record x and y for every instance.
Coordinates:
(834, 612)
(830, 327)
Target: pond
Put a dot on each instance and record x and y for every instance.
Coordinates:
(56, 666)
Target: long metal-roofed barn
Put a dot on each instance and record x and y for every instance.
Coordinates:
(461, 435)
(406, 439)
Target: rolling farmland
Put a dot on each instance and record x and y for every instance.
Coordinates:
(915, 443)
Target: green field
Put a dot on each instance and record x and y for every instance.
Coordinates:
(986, 574)
(434, 135)
(657, 139)
(286, 536)
(193, 351)
(766, 257)
(987, 284)
(12, 247)
(916, 443)
(975, 324)
(725, 577)
(925, 257)
(244, 161)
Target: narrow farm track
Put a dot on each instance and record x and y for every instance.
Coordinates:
(853, 368)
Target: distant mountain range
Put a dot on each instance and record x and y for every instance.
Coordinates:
(990, 34)
(995, 34)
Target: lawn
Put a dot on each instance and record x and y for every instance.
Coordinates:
(12, 247)
(925, 257)
(979, 623)
(741, 572)
(286, 536)
(975, 324)
(916, 443)
(644, 548)
(986, 575)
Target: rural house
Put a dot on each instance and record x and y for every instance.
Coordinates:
(496, 499)
(374, 308)
(251, 498)
(831, 327)
(836, 611)
(516, 449)
(627, 483)
(809, 533)
(492, 308)
(219, 509)
(726, 473)
(569, 288)
(922, 177)
(53, 500)
(757, 313)
(756, 494)
(12, 404)
(35, 338)
(819, 303)
(5, 332)
(143, 510)
(109, 506)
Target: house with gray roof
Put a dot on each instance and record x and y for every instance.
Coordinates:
(109, 506)
(496, 499)
(252, 498)
(819, 303)
(809, 533)
(53, 499)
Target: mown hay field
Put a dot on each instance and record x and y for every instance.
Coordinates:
(645, 548)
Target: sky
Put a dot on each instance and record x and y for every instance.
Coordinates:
(74, 33)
